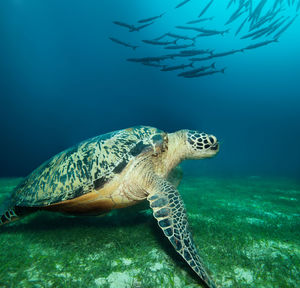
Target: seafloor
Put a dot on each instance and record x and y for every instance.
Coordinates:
(247, 230)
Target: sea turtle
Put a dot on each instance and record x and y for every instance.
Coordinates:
(117, 170)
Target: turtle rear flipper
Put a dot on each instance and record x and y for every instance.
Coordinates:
(9, 214)
(168, 209)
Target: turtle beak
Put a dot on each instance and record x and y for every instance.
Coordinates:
(215, 147)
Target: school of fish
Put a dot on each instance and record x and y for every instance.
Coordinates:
(255, 23)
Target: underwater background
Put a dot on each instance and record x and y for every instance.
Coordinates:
(63, 79)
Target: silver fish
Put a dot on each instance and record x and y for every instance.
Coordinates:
(205, 8)
(138, 28)
(200, 20)
(163, 43)
(184, 37)
(177, 67)
(151, 18)
(202, 30)
(257, 11)
(195, 52)
(230, 3)
(187, 28)
(277, 35)
(255, 32)
(206, 73)
(276, 3)
(161, 37)
(206, 35)
(150, 59)
(222, 54)
(215, 55)
(208, 31)
(175, 47)
(261, 22)
(260, 44)
(241, 26)
(197, 70)
(123, 43)
(273, 28)
(153, 64)
(122, 24)
(235, 15)
(182, 3)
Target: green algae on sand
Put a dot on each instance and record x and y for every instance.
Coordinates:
(247, 230)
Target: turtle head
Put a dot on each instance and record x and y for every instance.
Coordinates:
(200, 145)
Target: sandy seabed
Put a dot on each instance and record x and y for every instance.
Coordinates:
(247, 231)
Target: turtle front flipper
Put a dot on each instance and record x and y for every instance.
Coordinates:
(168, 209)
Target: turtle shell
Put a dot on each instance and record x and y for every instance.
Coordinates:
(86, 166)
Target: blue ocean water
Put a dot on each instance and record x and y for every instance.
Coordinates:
(63, 80)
